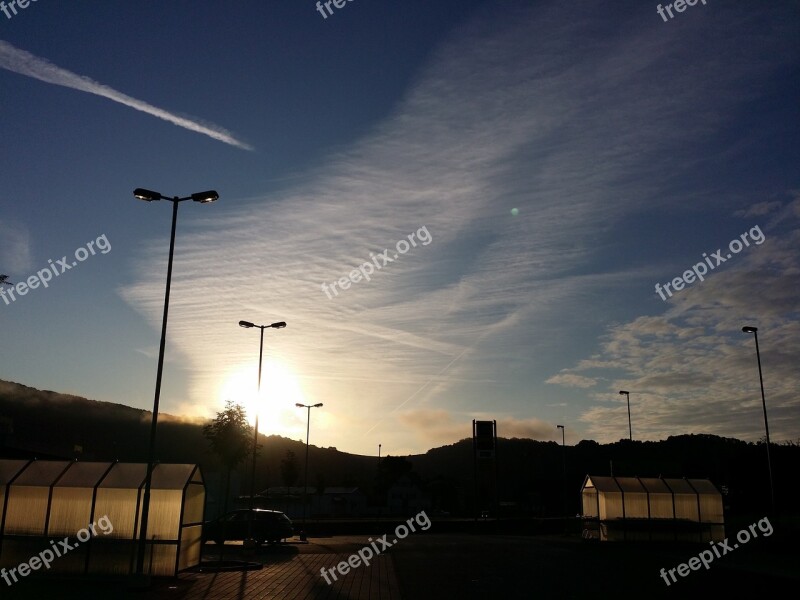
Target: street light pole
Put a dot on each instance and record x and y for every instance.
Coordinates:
(305, 477)
(630, 431)
(754, 331)
(248, 325)
(563, 468)
(150, 196)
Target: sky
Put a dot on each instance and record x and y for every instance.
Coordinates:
(492, 210)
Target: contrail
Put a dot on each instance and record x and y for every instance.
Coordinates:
(25, 63)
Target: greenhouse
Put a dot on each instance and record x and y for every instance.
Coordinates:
(95, 507)
(651, 508)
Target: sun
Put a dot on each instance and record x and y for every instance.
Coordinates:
(275, 406)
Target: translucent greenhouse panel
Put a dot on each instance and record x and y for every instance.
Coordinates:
(710, 501)
(28, 497)
(680, 486)
(125, 475)
(610, 505)
(589, 499)
(661, 506)
(191, 544)
(26, 512)
(9, 469)
(83, 475)
(686, 507)
(194, 504)
(171, 477)
(164, 518)
(70, 510)
(635, 506)
(711, 508)
(42, 472)
(119, 505)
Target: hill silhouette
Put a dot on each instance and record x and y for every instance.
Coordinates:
(46, 424)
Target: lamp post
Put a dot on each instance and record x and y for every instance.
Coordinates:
(563, 468)
(630, 431)
(247, 325)
(754, 331)
(150, 196)
(305, 477)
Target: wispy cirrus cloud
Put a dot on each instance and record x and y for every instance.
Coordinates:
(483, 128)
(25, 63)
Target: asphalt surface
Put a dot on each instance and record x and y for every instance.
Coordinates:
(429, 565)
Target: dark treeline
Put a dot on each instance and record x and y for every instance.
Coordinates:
(530, 473)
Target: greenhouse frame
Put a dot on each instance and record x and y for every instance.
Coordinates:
(651, 508)
(45, 501)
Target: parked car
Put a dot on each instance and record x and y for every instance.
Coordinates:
(268, 526)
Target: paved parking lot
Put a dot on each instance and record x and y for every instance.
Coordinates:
(455, 565)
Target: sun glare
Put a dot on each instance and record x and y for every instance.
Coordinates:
(280, 390)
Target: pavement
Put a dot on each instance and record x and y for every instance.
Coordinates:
(439, 566)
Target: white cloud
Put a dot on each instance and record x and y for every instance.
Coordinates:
(484, 128)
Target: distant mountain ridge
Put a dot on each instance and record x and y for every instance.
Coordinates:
(46, 424)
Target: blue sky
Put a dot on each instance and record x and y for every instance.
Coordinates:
(563, 157)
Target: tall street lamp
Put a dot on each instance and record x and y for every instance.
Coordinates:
(754, 331)
(247, 325)
(305, 477)
(563, 468)
(150, 196)
(630, 431)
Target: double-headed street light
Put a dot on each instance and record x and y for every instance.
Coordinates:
(150, 196)
(630, 431)
(305, 478)
(754, 331)
(248, 325)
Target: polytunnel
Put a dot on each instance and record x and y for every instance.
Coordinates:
(652, 508)
(95, 508)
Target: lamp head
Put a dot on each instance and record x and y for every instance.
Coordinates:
(278, 325)
(298, 405)
(749, 329)
(205, 197)
(146, 195)
(318, 405)
(623, 392)
(246, 324)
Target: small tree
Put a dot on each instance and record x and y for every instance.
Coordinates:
(230, 437)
